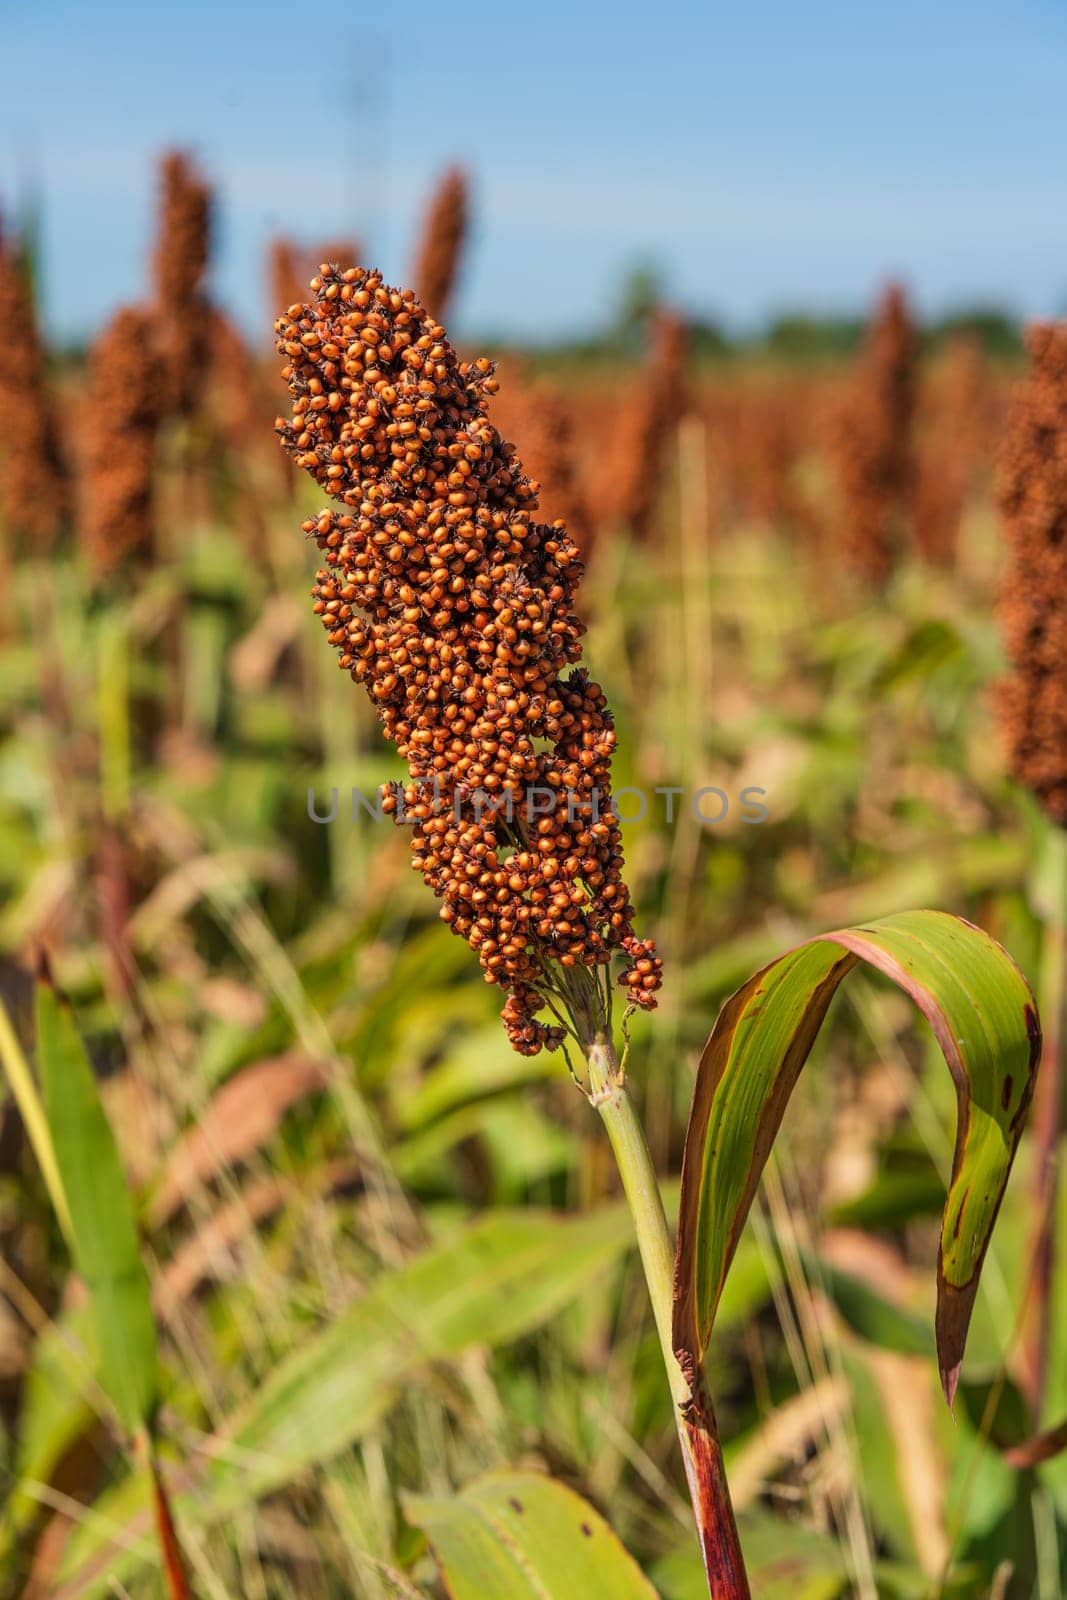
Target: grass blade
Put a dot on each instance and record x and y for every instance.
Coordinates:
(104, 1238)
(34, 1120)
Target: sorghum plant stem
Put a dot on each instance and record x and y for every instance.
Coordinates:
(697, 1433)
(1048, 1117)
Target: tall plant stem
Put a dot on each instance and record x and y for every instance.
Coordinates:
(1048, 1117)
(694, 1415)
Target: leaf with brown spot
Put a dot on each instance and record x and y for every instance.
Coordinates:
(522, 1536)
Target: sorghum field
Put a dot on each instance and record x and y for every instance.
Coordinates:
(319, 1279)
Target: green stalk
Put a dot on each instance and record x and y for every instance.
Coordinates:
(1047, 1117)
(694, 1415)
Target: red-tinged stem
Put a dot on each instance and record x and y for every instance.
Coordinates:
(1047, 1123)
(695, 1418)
(709, 1491)
(174, 1568)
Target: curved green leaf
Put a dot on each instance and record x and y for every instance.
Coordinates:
(105, 1246)
(984, 1018)
(522, 1536)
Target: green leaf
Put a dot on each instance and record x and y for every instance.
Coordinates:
(495, 1280)
(521, 1536)
(104, 1243)
(884, 1458)
(482, 1064)
(984, 1018)
(927, 647)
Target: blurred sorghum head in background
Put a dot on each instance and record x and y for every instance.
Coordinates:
(124, 408)
(1032, 491)
(635, 466)
(440, 246)
(34, 478)
(873, 444)
(179, 266)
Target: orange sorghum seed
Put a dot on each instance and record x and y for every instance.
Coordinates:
(453, 605)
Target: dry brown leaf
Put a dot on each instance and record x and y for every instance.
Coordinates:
(240, 1119)
(873, 1261)
(785, 1435)
(909, 1400)
(210, 1254)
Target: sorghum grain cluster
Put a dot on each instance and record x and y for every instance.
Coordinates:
(290, 265)
(453, 605)
(634, 483)
(124, 408)
(1032, 491)
(873, 442)
(179, 265)
(441, 242)
(35, 484)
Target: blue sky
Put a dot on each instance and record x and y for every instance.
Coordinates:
(766, 156)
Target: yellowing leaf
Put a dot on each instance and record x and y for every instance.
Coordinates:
(522, 1536)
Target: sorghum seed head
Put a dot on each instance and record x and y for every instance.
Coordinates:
(440, 245)
(631, 492)
(445, 596)
(124, 407)
(179, 265)
(33, 474)
(1032, 491)
(873, 441)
